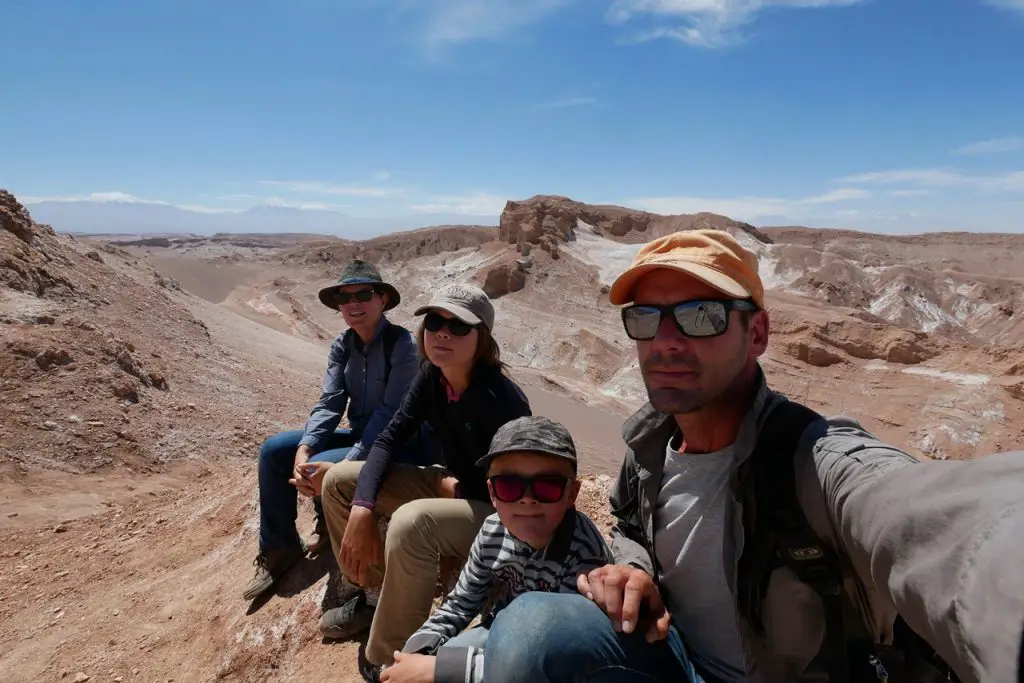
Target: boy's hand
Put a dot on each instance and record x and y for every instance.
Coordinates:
(409, 668)
(630, 598)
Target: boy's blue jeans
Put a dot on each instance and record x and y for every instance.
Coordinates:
(566, 638)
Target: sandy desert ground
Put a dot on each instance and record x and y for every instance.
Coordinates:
(138, 379)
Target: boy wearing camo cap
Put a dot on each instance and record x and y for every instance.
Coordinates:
(537, 541)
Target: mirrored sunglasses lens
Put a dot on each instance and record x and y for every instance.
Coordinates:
(703, 319)
(642, 322)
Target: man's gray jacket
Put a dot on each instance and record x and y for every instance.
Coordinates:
(939, 542)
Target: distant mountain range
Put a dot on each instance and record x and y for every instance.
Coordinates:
(113, 217)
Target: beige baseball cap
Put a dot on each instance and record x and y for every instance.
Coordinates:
(466, 302)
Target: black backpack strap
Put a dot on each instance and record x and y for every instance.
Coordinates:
(391, 334)
(778, 532)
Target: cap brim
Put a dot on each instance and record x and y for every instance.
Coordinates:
(623, 288)
(485, 461)
(326, 294)
(464, 314)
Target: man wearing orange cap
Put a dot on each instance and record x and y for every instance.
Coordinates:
(758, 541)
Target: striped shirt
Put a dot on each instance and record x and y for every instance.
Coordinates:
(498, 560)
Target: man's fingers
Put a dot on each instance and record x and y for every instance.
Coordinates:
(613, 598)
(632, 597)
(583, 586)
(658, 630)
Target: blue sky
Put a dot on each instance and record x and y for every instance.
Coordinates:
(889, 115)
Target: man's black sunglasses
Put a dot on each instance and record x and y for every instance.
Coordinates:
(697, 319)
(434, 322)
(362, 296)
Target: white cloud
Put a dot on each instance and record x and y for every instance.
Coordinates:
(750, 208)
(704, 23)
(361, 189)
(1011, 181)
(277, 202)
(457, 21)
(120, 197)
(1007, 4)
(910, 193)
(566, 102)
(995, 146)
(477, 204)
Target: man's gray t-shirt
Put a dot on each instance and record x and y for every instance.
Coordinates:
(689, 533)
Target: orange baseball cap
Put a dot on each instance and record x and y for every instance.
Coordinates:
(714, 257)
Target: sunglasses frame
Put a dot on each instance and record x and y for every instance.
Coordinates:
(446, 323)
(354, 296)
(670, 310)
(528, 483)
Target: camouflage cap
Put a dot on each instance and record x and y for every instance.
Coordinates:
(534, 434)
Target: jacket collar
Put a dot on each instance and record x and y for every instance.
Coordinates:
(377, 334)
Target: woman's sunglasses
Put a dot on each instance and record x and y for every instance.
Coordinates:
(434, 322)
(362, 296)
(697, 319)
(543, 488)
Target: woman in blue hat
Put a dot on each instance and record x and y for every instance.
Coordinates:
(370, 367)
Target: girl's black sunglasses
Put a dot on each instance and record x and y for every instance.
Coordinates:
(697, 319)
(362, 296)
(434, 322)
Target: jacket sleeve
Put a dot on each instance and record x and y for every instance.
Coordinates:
(326, 414)
(410, 415)
(404, 365)
(628, 545)
(942, 540)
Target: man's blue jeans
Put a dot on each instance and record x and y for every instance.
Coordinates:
(279, 499)
(566, 638)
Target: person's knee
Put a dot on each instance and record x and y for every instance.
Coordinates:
(411, 530)
(339, 483)
(530, 640)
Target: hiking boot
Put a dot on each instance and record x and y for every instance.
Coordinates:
(319, 539)
(352, 618)
(269, 569)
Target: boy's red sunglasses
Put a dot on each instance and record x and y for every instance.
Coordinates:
(543, 488)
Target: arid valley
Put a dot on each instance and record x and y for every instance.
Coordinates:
(138, 376)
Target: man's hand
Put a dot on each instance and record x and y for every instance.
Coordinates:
(409, 668)
(312, 478)
(623, 592)
(360, 546)
(302, 455)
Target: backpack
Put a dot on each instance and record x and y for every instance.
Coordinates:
(778, 533)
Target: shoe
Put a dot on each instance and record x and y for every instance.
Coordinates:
(352, 618)
(319, 539)
(270, 567)
(370, 672)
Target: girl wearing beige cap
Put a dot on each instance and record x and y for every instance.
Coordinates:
(462, 392)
